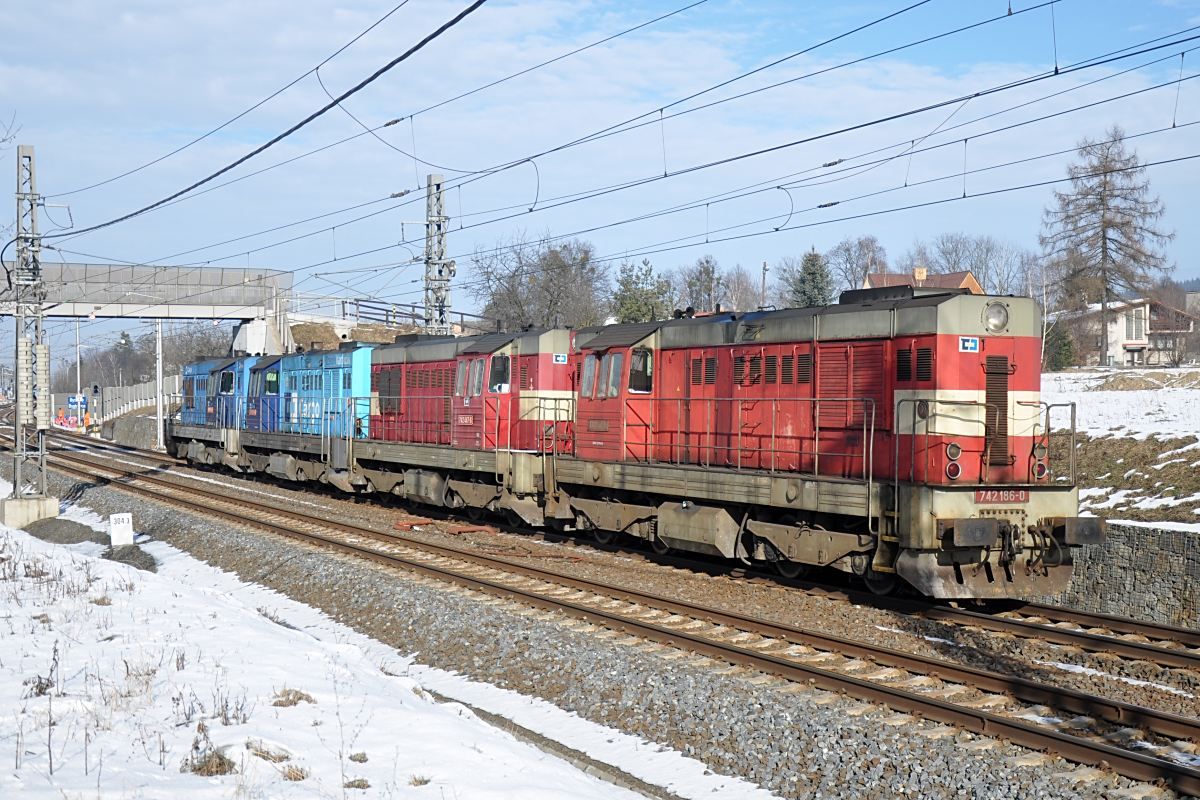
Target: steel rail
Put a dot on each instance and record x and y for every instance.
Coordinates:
(1084, 750)
(1088, 641)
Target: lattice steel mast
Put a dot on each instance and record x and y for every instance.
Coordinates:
(438, 270)
(33, 398)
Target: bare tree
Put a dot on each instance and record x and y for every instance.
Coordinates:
(852, 259)
(1103, 228)
(701, 286)
(542, 283)
(742, 291)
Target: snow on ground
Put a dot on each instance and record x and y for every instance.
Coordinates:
(1165, 413)
(113, 682)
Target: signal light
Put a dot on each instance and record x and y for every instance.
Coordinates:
(1040, 470)
(953, 470)
(953, 451)
(1039, 451)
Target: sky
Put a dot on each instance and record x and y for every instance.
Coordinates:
(101, 87)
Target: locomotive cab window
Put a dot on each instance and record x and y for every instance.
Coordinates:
(477, 377)
(460, 380)
(271, 383)
(498, 376)
(641, 371)
(616, 362)
(226, 383)
(588, 383)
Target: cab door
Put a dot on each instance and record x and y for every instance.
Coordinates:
(638, 409)
(497, 403)
(468, 419)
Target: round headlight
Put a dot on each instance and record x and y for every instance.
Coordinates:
(1039, 451)
(953, 470)
(995, 317)
(1040, 470)
(953, 451)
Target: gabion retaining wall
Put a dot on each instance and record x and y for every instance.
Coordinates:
(1142, 572)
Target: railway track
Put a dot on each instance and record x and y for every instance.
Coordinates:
(1164, 645)
(1137, 742)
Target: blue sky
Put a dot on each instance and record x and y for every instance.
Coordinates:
(100, 86)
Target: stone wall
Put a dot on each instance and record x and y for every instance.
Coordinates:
(131, 430)
(1142, 572)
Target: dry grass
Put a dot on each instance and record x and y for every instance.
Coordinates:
(267, 754)
(357, 783)
(103, 600)
(293, 772)
(1148, 468)
(1122, 382)
(358, 758)
(291, 697)
(210, 764)
(419, 780)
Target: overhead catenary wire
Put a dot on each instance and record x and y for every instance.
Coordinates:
(770, 185)
(281, 136)
(555, 201)
(179, 196)
(683, 207)
(238, 116)
(1090, 62)
(412, 116)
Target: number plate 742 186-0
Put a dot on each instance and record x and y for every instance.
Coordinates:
(1001, 495)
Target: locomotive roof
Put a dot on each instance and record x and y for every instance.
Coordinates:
(264, 362)
(860, 314)
(489, 342)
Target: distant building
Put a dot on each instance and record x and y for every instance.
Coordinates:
(921, 278)
(1140, 333)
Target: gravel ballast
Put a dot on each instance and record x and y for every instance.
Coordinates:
(796, 741)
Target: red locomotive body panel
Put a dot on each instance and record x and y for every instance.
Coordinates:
(881, 408)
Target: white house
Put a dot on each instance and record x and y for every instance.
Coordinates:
(1140, 333)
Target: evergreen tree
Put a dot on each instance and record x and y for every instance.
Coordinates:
(641, 296)
(807, 283)
(1101, 232)
(1058, 349)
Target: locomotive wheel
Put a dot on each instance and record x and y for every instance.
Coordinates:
(881, 583)
(789, 569)
(659, 546)
(474, 513)
(602, 536)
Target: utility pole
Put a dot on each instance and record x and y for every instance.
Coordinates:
(762, 299)
(438, 270)
(158, 386)
(78, 380)
(28, 501)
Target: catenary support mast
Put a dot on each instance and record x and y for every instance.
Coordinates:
(31, 417)
(438, 269)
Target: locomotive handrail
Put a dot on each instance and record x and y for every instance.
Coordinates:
(1049, 430)
(678, 442)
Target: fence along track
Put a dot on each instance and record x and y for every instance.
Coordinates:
(642, 615)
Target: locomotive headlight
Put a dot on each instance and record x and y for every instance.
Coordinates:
(1040, 470)
(1039, 451)
(995, 317)
(953, 470)
(953, 451)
